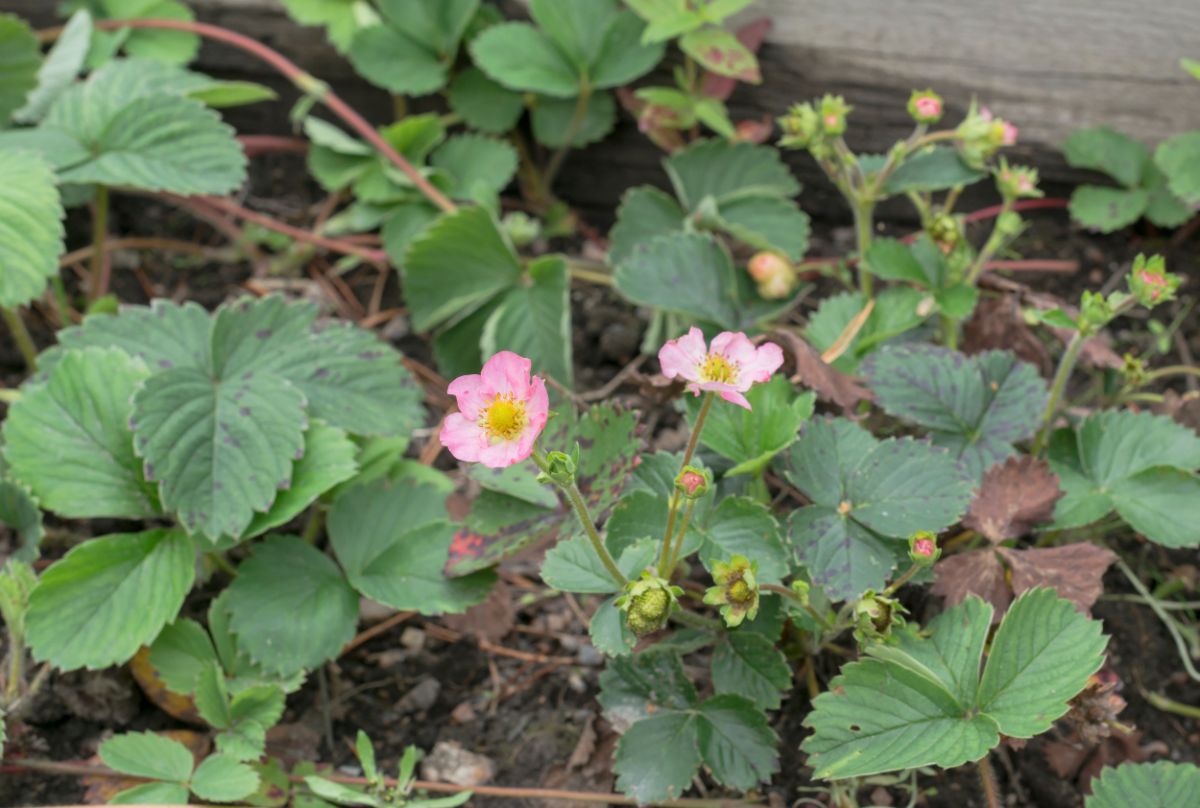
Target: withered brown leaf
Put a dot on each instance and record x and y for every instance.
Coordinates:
(815, 373)
(1014, 496)
(978, 572)
(1075, 571)
(997, 324)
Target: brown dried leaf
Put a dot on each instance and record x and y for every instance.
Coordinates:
(491, 620)
(997, 324)
(173, 704)
(1075, 571)
(978, 572)
(1015, 495)
(812, 371)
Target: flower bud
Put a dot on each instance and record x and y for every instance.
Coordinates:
(833, 112)
(875, 616)
(736, 590)
(1095, 312)
(946, 231)
(560, 469)
(800, 126)
(522, 228)
(1016, 182)
(923, 548)
(774, 274)
(692, 482)
(925, 107)
(647, 603)
(1150, 282)
(980, 135)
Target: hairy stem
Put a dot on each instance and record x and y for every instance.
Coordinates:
(987, 779)
(99, 273)
(679, 536)
(863, 227)
(673, 511)
(571, 492)
(1066, 365)
(21, 337)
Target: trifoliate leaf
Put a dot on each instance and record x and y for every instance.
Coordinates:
(658, 756)
(1162, 784)
(1139, 464)
(736, 742)
(394, 552)
(457, 264)
(31, 228)
(108, 597)
(641, 685)
(624, 54)
(69, 439)
(977, 406)
(573, 566)
(864, 490)
(290, 606)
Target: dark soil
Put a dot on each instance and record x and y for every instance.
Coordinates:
(531, 713)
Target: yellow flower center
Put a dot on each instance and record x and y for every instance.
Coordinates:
(504, 418)
(716, 368)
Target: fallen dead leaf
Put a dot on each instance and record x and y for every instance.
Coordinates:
(997, 324)
(813, 372)
(1015, 495)
(1075, 571)
(978, 572)
(491, 620)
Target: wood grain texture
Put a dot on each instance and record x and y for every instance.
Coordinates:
(1050, 66)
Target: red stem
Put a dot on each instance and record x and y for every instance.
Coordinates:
(254, 145)
(305, 82)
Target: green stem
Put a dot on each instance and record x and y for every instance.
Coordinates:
(673, 510)
(788, 593)
(679, 536)
(560, 155)
(990, 247)
(221, 562)
(987, 779)
(1172, 370)
(694, 440)
(98, 281)
(949, 332)
(1152, 602)
(60, 297)
(312, 528)
(863, 226)
(571, 491)
(16, 667)
(21, 336)
(1065, 366)
(903, 579)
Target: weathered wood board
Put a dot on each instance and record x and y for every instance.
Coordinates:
(1048, 65)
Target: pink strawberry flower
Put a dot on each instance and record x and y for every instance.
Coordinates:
(730, 367)
(501, 413)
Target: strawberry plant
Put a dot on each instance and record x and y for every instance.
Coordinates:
(842, 522)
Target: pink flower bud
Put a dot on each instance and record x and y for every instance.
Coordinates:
(1010, 134)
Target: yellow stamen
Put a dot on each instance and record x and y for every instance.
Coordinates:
(504, 418)
(716, 368)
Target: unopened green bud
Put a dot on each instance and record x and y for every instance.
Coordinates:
(875, 616)
(833, 112)
(736, 590)
(647, 603)
(1150, 282)
(946, 231)
(1095, 312)
(1016, 182)
(800, 126)
(522, 228)
(560, 469)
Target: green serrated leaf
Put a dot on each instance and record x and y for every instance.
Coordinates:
(393, 60)
(153, 794)
(481, 167)
(736, 742)
(642, 514)
(727, 171)
(1104, 149)
(893, 260)
(221, 778)
(522, 58)
(689, 273)
(69, 440)
(394, 551)
(1162, 784)
(751, 438)
(456, 265)
(108, 597)
(720, 52)
(20, 513)
(896, 314)
(1139, 464)
(1178, 158)
(937, 169)
(181, 653)
(552, 120)
(645, 212)
(977, 406)
(290, 606)
(748, 664)
(484, 104)
(59, 69)
(653, 681)
(862, 491)
(767, 223)
(31, 229)
(145, 754)
(572, 565)
(534, 320)
(1106, 210)
(658, 756)
(609, 633)
(339, 17)
(20, 58)
(741, 526)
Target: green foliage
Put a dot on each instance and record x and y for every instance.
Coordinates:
(59, 69)
(868, 497)
(751, 438)
(1140, 465)
(673, 733)
(920, 700)
(109, 596)
(20, 58)
(412, 48)
(340, 18)
(131, 124)
(1148, 187)
(748, 664)
(218, 778)
(1177, 157)
(896, 316)
(19, 512)
(165, 46)
(936, 169)
(1150, 785)
(977, 406)
(31, 229)
(484, 104)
